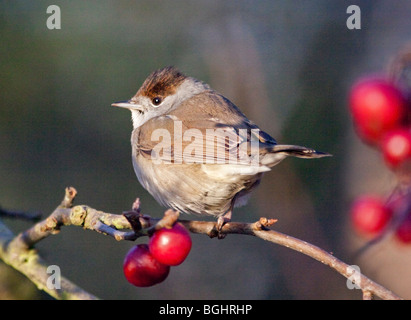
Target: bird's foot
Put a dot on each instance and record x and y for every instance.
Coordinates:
(221, 221)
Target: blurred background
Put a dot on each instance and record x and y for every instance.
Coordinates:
(287, 64)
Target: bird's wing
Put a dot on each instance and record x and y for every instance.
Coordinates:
(206, 128)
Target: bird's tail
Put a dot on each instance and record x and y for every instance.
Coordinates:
(277, 153)
(298, 151)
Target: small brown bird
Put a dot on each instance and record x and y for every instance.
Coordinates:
(194, 150)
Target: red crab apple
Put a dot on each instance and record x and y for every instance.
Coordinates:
(369, 215)
(399, 205)
(170, 246)
(403, 232)
(396, 146)
(142, 269)
(377, 106)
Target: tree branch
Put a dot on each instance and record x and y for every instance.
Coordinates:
(28, 262)
(18, 250)
(20, 215)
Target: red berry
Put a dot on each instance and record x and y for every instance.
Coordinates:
(142, 269)
(369, 215)
(396, 146)
(377, 106)
(170, 246)
(403, 232)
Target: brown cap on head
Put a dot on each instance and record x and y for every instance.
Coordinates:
(162, 82)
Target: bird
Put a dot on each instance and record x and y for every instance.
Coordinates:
(193, 149)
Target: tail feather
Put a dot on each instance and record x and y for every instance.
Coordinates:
(298, 151)
(273, 155)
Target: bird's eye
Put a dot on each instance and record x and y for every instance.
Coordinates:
(156, 101)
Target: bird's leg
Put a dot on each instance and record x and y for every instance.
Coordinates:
(226, 217)
(221, 221)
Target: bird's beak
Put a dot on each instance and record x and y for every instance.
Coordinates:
(125, 104)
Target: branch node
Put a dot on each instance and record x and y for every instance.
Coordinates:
(51, 225)
(70, 194)
(264, 223)
(78, 215)
(167, 221)
(133, 217)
